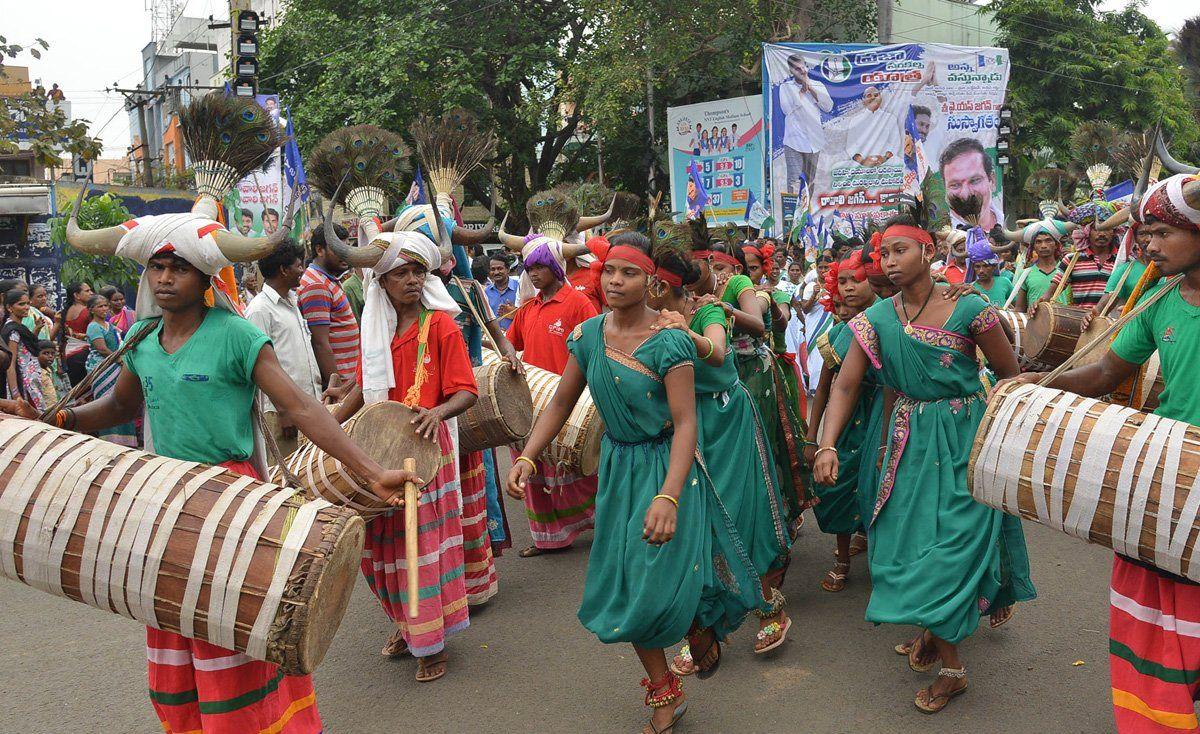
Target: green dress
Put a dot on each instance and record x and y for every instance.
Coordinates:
(747, 485)
(838, 507)
(763, 376)
(636, 592)
(935, 553)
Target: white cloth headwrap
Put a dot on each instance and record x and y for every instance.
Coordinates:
(379, 316)
(525, 289)
(147, 236)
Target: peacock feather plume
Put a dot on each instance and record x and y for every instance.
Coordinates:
(226, 138)
(370, 160)
(626, 207)
(451, 146)
(1053, 184)
(552, 213)
(1092, 141)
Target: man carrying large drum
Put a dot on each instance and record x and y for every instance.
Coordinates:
(195, 370)
(1154, 616)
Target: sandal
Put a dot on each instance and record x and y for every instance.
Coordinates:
(770, 631)
(834, 581)
(914, 656)
(930, 703)
(858, 543)
(425, 664)
(533, 551)
(904, 648)
(682, 664)
(694, 638)
(395, 646)
(1002, 616)
(672, 690)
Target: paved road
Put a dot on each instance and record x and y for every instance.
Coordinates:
(526, 665)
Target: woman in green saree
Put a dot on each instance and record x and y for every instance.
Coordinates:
(838, 507)
(934, 551)
(724, 267)
(730, 426)
(665, 562)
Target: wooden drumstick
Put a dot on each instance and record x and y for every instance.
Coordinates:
(412, 557)
(1062, 283)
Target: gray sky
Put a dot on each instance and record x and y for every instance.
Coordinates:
(94, 43)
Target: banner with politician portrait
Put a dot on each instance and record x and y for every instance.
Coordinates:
(850, 127)
(716, 158)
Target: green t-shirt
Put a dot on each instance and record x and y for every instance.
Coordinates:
(998, 293)
(1135, 268)
(353, 288)
(734, 287)
(1171, 326)
(1037, 283)
(198, 399)
(779, 338)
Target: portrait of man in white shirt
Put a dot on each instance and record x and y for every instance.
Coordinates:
(802, 101)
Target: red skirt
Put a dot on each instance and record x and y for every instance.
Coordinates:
(1154, 650)
(481, 579)
(197, 687)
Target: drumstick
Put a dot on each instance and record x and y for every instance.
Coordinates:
(1150, 275)
(1114, 328)
(1120, 284)
(412, 557)
(1066, 276)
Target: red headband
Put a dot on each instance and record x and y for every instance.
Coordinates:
(702, 254)
(913, 233)
(765, 255)
(723, 258)
(631, 255)
(671, 279)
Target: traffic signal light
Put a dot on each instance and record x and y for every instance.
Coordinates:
(245, 53)
(1004, 137)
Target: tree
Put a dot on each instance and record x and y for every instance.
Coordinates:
(30, 118)
(552, 79)
(106, 210)
(1072, 62)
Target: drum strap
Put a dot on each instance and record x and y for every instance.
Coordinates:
(13, 498)
(1141, 494)
(1124, 489)
(229, 545)
(314, 468)
(413, 397)
(1166, 499)
(1093, 466)
(91, 540)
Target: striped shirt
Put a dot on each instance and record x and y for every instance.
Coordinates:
(324, 303)
(1088, 277)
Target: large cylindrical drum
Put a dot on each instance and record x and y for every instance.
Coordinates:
(385, 432)
(1102, 472)
(503, 414)
(576, 448)
(1051, 335)
(1014, 324)
(1095, 329)
(179, 546)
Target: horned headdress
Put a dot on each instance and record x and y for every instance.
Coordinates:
(227, 138)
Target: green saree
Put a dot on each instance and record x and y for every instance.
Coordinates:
(838, 507)
(935, 553)
(748, 485)
(636, 592)
(763, 376)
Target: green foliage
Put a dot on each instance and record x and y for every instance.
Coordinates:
(550, 79)
(96, 212)
(44, 126)
(1073, 63)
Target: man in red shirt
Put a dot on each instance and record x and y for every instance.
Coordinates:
(560, 505)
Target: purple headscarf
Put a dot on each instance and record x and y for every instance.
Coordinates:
(541, 255)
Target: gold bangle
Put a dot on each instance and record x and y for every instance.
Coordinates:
(825, 448)
(529, 461)
(711, 348)
(668, 498)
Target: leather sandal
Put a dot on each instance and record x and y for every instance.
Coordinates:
(930, 703)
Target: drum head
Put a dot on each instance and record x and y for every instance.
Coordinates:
(1095, 329)
(515, 402)
(1038, 331)
(386, 432)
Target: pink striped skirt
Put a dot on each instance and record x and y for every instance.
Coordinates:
(560, 505)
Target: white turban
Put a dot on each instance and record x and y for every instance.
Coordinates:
(379, 316)
(189, 236)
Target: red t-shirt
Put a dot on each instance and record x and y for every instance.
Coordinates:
(448, 367)
(954, 273)
(587, 282)
(541, 327)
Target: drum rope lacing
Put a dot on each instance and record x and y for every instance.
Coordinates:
(123, 549)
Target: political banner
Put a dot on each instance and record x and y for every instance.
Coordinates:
(851, 127)
(716, 158)
(259, 201)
